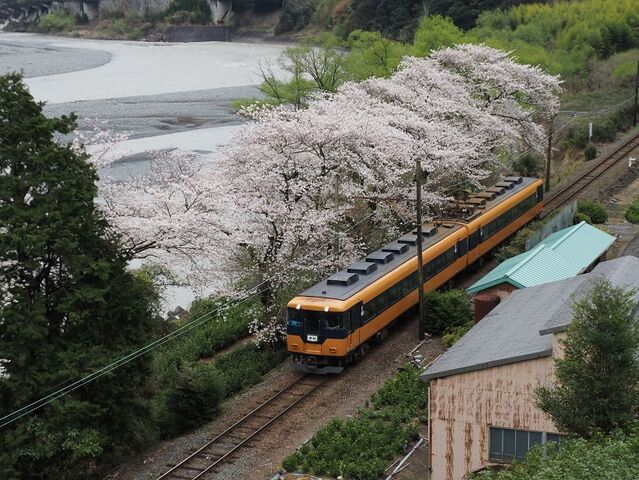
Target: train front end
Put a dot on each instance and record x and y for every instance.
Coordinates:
(318, 335)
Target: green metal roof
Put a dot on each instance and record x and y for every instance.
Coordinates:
(563, 254)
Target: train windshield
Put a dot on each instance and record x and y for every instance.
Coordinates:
(314, 322)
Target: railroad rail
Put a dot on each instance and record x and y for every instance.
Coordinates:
(221, 448)
(568, 192)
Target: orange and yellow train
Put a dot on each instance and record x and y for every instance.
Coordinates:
(333, 322)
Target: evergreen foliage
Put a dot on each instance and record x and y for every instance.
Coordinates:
(397, 19)
(597, 387)
(362, 447)
(527, 166)
(446, 310)
(632, 212)
(197, 11)
(594, 209)
(607, 458)
(295, 15)
(68, 304)
(465, 12)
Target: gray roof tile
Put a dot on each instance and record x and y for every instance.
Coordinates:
(516, 329)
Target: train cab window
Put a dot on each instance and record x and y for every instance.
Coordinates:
(294, 317)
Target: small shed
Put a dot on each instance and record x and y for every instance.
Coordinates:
(563, 254)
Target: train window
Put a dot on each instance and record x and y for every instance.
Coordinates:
(332, 321)
(474, 239)
(355, 315)
(540, 193)
(462, 247)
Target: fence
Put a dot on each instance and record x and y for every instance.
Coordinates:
(563, 219)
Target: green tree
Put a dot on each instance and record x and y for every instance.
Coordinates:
(598, 379)
(435, 32)
(443, 311)
(68, 304)
(373, 55)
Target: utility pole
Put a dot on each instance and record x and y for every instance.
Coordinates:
(420, 260)
(636, 93)
(551, 128)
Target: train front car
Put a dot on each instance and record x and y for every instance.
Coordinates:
(319, 334)
(333, 322)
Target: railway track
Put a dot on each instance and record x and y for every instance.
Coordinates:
(570, 191)
(209, 458)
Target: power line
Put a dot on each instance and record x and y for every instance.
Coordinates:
(36, 405)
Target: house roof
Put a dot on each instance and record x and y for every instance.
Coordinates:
(517, 328)
(563, 254)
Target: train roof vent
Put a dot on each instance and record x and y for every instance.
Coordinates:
(497, 190)
(380, 257)
(408, 239)
(343, 279)
(448, 225)
(363, 268)
(505, 185)
(396, 248)
(487, 195)
(476, 201)
(427, 230)
(515, 180)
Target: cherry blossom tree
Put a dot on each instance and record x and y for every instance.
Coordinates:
(299, 193)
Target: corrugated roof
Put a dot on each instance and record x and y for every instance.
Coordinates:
(517, 328)
(563, 254)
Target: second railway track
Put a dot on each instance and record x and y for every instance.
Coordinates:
(570, 191)
(209, 458)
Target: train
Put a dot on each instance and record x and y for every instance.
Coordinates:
(334, 322)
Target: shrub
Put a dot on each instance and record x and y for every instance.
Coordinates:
(632, 212)
(380, 432)
(582, 217)
(590, 152)
(518, 243)
(526, 166)
(445, 310)
(246, 365)
(594, 209)
(453, 334)
(601, 459)
(199, 11)
(58, 21)
(193, 401)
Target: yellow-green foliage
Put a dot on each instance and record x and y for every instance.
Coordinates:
(559, 36)
(58, 21)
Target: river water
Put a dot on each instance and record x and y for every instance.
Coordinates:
(162, 95)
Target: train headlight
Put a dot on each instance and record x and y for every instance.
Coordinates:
(326, 309)
(298, 306)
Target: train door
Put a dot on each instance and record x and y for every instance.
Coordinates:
(354, 320)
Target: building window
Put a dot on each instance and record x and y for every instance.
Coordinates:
(507, 444)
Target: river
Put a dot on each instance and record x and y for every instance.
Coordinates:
(162, 95)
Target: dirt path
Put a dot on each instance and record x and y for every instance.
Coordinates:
(341, 396)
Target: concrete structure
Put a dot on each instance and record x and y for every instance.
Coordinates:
(563, 254)
(26, 12)
(481, 405)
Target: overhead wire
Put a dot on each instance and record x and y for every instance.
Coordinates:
(43, 401)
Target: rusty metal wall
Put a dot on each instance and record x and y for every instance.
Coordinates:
(463, 406)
